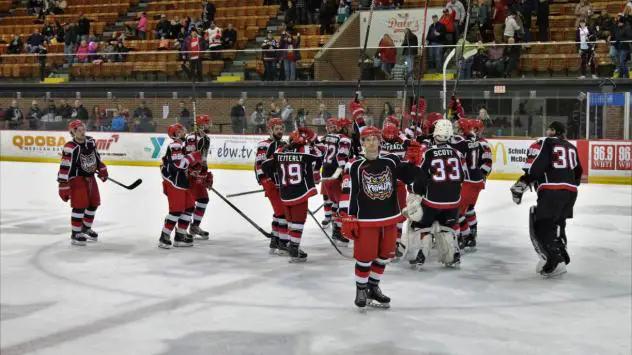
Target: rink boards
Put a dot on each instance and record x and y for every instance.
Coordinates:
(607, 161)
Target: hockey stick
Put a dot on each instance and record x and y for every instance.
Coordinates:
(328, 237)
(319, 207)
(266, 234)
(129, 187)
(245, 193)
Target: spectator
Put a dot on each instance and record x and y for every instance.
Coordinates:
(208, 13)
(499, 16)
(79, 112)
(48, 31)
(495, 65)
(388, 55)
(34, 41)
(142, 112)
(484, 19)
(583, 10)
(465, 52)
(93, 49)
(274, 112)
(542, 12)
(286, 115)
(327, 12)
(82, 52)
(289, 15)
(121, 52)
(270, 46)
(512, 29)
(70, 42)
(34, 116)
(386, 112)
(290, 56)
(229, 37)
(458, 9)
(259, 118)
(42, 51)
(50, 119)
(301, 12)
(13, 116)
(238, 117)
(119, 123)
(97, 118)
(141, 25)
(512, 53)
(622, 33)
(343, 12)
(176, 30)
(447, 20)
(185, 118)
(409, 49)
(64, 110)
(528, 6)
(83, 28)
(584, 35)
(163, 27)
(15, 46)
(60, 32)
(109, 49)
(322, 116)
(214, 37)
(436, 39)
(193, 46)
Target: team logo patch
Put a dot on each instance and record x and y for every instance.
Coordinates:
(377, 186)
(88, 162)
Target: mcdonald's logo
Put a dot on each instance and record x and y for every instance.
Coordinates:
(495, 152)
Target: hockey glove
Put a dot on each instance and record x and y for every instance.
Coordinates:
(209, 180)
(102, 173)
(350, 226)
(316, 177)
(413, 210)
(517, 190)
(413, 153)
(64, 191)
(194, 158)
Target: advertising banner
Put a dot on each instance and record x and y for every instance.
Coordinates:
(610, 161)
(394, 23)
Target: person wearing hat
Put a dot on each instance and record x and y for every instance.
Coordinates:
(553, 168)
(370, 211)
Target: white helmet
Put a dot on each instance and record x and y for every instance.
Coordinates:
(443, 130)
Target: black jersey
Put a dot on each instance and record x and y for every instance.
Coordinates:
(265, 151)
(337, 154)
(79, 159)
(396, 147)
(202, 143)
(478, 157)
(293, 165)
(176, 164)
(369, 189)
(442, 172)
(553, 164)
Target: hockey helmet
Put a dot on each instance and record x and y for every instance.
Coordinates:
(478, 126)
(464, 125)
(343, 122)
(75, 124)
(274, 122)
(443, 130)
(370, 131)
(430, 121)
(202, 120)
(390, 131)
(392, 120)
(174, 129)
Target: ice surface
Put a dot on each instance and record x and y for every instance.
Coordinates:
(228, 296)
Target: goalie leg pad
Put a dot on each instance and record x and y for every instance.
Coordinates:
(447, 246)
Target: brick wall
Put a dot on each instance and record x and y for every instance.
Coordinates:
(614, 123)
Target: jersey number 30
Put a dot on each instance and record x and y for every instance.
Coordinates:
(566, 158)
(439, 166)
(291, 174)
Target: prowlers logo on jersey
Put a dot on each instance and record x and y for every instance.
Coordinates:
(377, 186)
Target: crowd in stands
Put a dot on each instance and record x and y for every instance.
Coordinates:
(57, 117)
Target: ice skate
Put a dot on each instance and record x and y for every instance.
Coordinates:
(361, 297)
(90, 234)
(182, 240)
(419, 260)
(164, 241)
(198, 233)
(339, 239)
(274, 244)
(455, 262)
(400, 250)
(376, 298)
(326, 222)
(296, 254)
(558, 270)
(78, 239)
(282, 248)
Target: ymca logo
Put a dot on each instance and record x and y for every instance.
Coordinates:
(156, 146)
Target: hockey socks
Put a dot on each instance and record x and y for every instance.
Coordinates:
(200, 209)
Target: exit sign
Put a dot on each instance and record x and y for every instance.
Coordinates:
(500, 89)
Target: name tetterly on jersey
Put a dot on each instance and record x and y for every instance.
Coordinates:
(289, 158)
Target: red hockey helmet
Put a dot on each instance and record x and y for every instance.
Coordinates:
(172, 130)
(478, 125)
(392, 120)
(274, 122)
(465, 125)
(75, 124)
(343, 122)
(202, 120)
(370, 131)
(297, 138)
(430, 121)
(390, 131)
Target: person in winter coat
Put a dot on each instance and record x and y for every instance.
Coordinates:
(259, 119)
(208, 14)
(82, 52)
(290, 56)
(229, 37)
(622, 33)
(83, 28)
(286, 116)
(270, 46)
(13, 116)
(70, 42)
(238, 117)
(79, 112)
(388, 54)
(163, 27)
(34, 116)
(15, 46)
(436, 38)
(409, 49)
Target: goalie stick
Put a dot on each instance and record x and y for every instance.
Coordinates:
(129, 187)
(266, 234)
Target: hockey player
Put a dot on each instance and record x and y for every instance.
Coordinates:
(553, 167)
(265, 152)
(478, 160)
(200, 178)
(333, 166)
(370, 212)
(437, 193)
(326, 148)
(80, 160)
(392, 143)
(293, 164)
(175, 168)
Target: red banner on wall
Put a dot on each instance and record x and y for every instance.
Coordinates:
(603, 156)
(624, 157)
